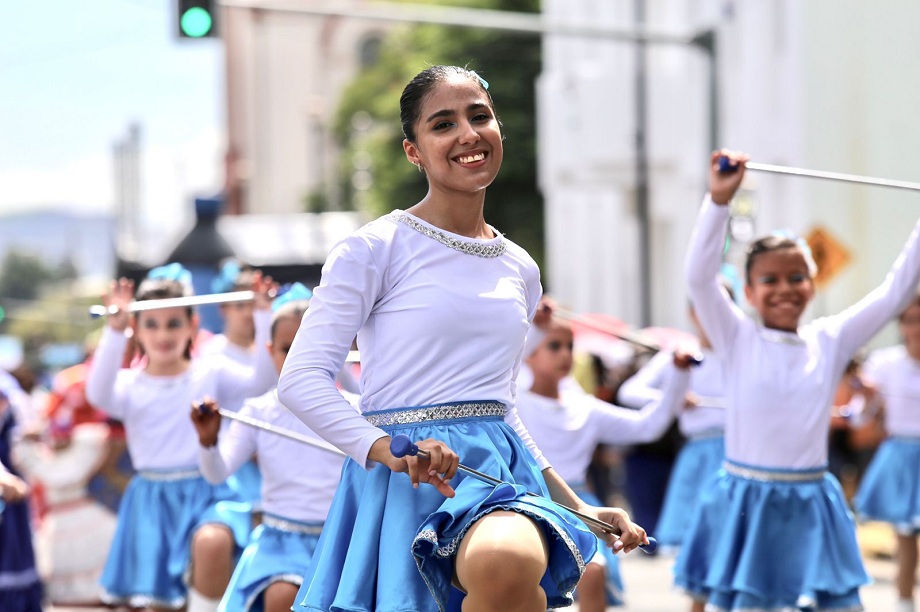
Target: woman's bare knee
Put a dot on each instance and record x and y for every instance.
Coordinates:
(504, 553)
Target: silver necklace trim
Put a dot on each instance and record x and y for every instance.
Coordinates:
(470, 248)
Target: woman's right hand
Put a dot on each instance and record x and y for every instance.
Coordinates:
(723, 185)
(437, 470)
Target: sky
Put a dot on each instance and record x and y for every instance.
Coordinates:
(75, 74)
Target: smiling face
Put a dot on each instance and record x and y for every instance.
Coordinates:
(165, 335)
(457, 138)
(780, 287)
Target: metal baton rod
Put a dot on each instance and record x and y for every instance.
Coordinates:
(725, 165)
(275, 429)
(179, 302)
(401, 446)
(627, 336)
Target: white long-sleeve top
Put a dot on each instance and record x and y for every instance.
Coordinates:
(568, 429)
(155, 409)
(298, 481)
(433, 324)
(779, 386)
(649, 382)
(897, 377)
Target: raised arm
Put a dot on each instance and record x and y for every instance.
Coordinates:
(718, 314)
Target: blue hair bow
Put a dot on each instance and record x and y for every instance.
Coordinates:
(291, 293)
(226, 278)
(174, 272)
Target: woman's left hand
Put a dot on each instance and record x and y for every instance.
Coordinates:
(630, 536)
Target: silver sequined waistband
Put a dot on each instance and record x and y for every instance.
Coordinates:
(438, 412)
(281, 524)
(751, 473)
(169, 474)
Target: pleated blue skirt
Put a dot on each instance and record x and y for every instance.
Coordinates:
(611, 562)
(150, 550)
(890, 489)
(280, 550)
(387, 547)
(771, 540)
(698, 458)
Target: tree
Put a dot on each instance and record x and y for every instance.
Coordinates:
(510, 63)
(22, 276)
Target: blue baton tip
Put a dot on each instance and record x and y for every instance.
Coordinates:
(651, 547)
(726, 165)
(401, 446)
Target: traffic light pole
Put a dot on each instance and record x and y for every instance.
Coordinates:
(536, 24)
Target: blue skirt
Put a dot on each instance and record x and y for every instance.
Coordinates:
(890, 489)
(20, 586)
(150, 550)
(279, 551)
(611, 562)
(699, 458)
(771, 540)
(387, 547)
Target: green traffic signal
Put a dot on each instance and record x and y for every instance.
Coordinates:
(196, 22)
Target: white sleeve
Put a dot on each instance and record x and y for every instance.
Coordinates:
(235, 446)
(718, 314)
(349, 288)
(646, 385)
(618, 425)
(102, 377)
(861, 321)
(237, 380)
(512, 417)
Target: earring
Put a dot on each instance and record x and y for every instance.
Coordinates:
(419, 166)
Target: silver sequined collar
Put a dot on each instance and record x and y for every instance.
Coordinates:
(491, 248)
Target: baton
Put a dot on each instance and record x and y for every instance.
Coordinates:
(401, 446)
(726, 165)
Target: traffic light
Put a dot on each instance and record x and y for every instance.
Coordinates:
(196, 18)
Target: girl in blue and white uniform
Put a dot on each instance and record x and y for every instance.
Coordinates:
(890, 489)
(296, 502)
(441, 303)
(772, 530)
(568, 423)
(149, 557)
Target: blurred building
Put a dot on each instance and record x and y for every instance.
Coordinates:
(285, 72)
(822, 85)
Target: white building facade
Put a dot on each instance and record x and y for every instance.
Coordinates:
(825, 84)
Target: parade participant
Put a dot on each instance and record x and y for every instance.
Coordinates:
(20, 585)
(441, 303)
(890, 490)
(702, 424)
(272, 566)
(568, 423)
(237, 341)
(165, 500)
(772, 530)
